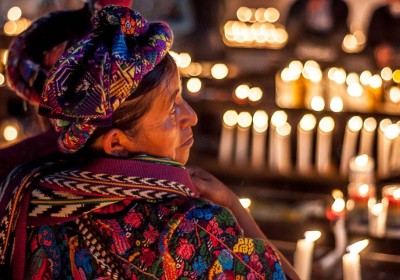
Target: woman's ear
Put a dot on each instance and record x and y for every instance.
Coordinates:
(114, 143)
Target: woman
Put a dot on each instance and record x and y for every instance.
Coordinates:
(122, 205)
(31, 56)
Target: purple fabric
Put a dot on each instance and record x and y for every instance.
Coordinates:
(96, 75)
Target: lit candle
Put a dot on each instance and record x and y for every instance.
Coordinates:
(227, 137)
(287, 86)
(303, 256)
(353, 128)
(283, 150)
(351, 261)
(278, 119)
(360, 197)
(260, 125)
(381, 141)
(367, 136)
(305, 131)
(390, 133)
(324, 144)
(362, 169)
(336, 214)
(242, 140)
(394, 155)
(377, 220)
(391, 208)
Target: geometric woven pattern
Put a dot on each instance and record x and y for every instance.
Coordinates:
(92, 79)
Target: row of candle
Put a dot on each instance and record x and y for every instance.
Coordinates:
(299, 86)
(235, 141)
(303, 257)
(365, 213)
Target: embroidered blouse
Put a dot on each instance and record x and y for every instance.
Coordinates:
(163, 230)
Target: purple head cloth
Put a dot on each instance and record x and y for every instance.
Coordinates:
(92, 79)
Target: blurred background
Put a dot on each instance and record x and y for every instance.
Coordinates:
(298, 105)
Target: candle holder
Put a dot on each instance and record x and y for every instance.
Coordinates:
(391, 207)
(360, 198)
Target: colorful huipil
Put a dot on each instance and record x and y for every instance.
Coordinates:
(122, 219)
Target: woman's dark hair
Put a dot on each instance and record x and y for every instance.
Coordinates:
(129, 114)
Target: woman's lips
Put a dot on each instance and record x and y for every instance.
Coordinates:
(188, 142)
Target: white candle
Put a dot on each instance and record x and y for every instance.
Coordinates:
(278, 118)
(351, 261)
(303, 256)
(367, 136)
(362, 169)
(305, 131)
(260, 125)
(324, 144)
(227, 137)
(377, 219)
(394, 155)
(391, 132)
(353, 128)
(242, 139)
(283, 149)
(381, 143)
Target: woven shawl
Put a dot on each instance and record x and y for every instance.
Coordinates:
(54, 192)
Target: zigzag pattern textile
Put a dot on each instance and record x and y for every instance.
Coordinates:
(45, 196)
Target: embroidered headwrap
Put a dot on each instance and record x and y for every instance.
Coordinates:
(33, 52)
(92, 79)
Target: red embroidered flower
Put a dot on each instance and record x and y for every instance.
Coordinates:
(151, 235)
(128, 24)
(213, 227)
(134, 219)
(185, 250)
(147, 256)
(230, 230)
(255, 263)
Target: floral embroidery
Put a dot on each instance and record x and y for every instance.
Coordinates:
(185, 249)
(128, 24)
(201, 241)
(134, 219)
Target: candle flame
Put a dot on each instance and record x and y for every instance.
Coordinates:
(355, 123)
(375, 81)
(337, 194)
(365, 77)
(363, 190)
(244, 119)
(357, 247)
(308, 122)
(362, 160)
(336, 104)
(242, 91)
(317, 103)
(396, 194)
(284, 130)
(230, 118)
(392, 131)
(377, 209)
(278, 118)
(384, 123)
(370, 124)
(312, 236)
(386, 74)
(338, 205)
(260, 121)
(246, 202)
(326, 124)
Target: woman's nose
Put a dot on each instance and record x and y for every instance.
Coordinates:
(189, 116)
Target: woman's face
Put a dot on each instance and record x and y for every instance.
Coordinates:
(166, 129)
